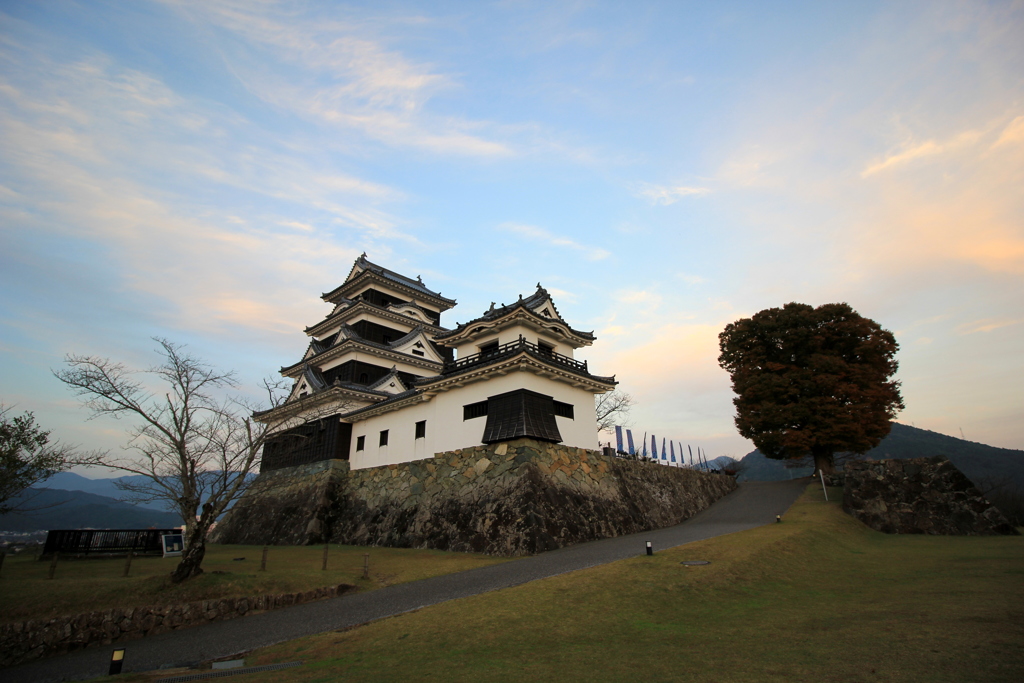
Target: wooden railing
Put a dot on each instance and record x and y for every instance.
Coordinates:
(105, 541)
(510, 349)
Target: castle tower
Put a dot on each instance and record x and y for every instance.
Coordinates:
(382, 382)
(373, 344)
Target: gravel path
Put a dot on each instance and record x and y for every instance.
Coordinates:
(752, 505)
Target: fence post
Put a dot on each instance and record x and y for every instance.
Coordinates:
(53, 564)
(263, 562)
(366, 566)
(324, 567)
(128, 563)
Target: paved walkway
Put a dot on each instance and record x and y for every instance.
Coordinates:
(752, 505)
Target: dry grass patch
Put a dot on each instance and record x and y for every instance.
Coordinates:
(97, 584)
(819, 598)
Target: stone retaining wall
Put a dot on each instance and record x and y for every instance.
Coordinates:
(512, 498)
(919, 496)
(27, 640)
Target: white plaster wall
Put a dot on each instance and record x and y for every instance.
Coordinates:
(446, 430)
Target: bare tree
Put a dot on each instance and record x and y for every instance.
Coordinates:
(195, 450)
(613, 409)
(27, 458)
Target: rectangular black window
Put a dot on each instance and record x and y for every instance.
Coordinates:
(489, 347)
(421, 429)
(383, 437)
(360, 443)
(564, 410)
(545, 348)
(474, 410)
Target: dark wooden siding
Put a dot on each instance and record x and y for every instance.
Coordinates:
(323, 439)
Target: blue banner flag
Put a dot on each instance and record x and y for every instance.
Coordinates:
(672, 450)
(629, 440)
(664, 455)
(618, 439)
(691, 454)
(654, 446)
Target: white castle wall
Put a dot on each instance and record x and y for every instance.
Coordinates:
(447, 431)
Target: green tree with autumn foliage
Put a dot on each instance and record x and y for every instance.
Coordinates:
(811, 381)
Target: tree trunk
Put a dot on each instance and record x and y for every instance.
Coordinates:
(192, 557)
(823, 462)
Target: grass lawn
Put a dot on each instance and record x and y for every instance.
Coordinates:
(95, 584)
(818, 598)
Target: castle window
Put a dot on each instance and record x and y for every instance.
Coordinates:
(474, 410)
(545, 348)
(383, 438)
(417, 352)
(564, 410)
(489, 347)
(360, 443)
(421, 429)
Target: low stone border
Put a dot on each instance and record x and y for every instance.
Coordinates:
(27, 640)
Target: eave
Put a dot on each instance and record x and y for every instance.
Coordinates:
(343, 315)
(385, 407)
(479, 328)
(520, 362)
(367, 275)
(305, 404)
(347, 345)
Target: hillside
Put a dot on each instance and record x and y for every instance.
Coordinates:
(54, 509)
(981, 463)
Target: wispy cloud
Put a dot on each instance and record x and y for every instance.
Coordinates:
(339, 73)
(1012, 134)
(113, 159)
(532, 232)
(669, 194)
(924, 149)
(987, 325)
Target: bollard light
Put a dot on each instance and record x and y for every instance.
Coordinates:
(650, 548)
(116, 660)
(778, 518)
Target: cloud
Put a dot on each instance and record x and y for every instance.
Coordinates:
(924, 149)
(542, 235)
(339, 73)
(1012, 134)
(115, 163)
(987, 325)
(665, 195)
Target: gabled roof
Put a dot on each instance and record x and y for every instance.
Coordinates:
(352, 307)
(390, 383)
(362, 265)
(536, 304)
(347, 333)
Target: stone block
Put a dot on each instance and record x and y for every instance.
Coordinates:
(919, 496)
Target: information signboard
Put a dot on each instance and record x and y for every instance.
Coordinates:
(173, 544)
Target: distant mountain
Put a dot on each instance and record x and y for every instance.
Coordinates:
(69, 481)
(981, 463)
(55, 509)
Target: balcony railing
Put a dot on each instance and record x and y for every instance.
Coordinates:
(488, 356)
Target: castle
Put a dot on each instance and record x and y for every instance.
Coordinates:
(383, 382)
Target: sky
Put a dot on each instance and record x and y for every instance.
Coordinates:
(203, 171)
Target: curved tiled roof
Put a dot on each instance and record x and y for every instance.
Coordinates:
(387, 274)
(528, 303)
